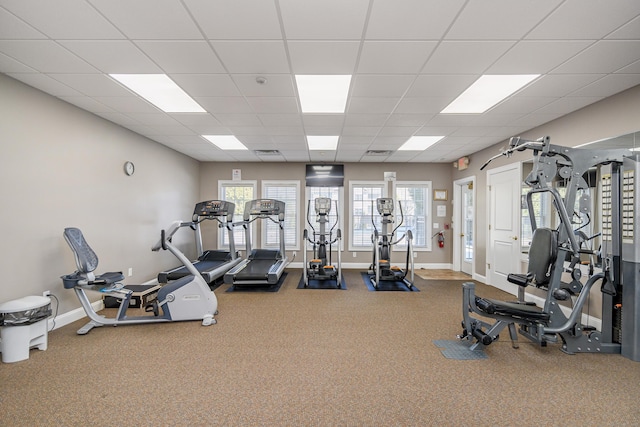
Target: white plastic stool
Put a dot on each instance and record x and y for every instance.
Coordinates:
(24, 327)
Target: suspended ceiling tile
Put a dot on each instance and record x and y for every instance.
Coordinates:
(275, 84)
(15, 28)
(605, 56)
(113, 56)
(585, 20)
(149, 19)
(46, 84)
(182, 56)
(272, 104)
(238, 19)
(329, 19)
(45, 56)
(252, 57)
(499, 19)
(323, 57)
(60, 19)
(92, 84)
(392, 57)
(478, 56)
(380, 85)
(411, 20)
(202, 85)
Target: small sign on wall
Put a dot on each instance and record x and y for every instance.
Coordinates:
(390, 176)
(236, 174)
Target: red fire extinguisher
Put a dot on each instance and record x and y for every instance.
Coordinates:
(440, 235)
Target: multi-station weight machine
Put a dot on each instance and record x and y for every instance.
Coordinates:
(555, 257)
(383, 241)
(321, 266)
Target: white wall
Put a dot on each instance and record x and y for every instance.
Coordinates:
(61, 166)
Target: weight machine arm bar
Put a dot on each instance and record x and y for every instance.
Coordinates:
(518, 144)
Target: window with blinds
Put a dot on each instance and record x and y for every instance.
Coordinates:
(288, 192)
(336, 194)
(363, 195)
(415, 197)
(238, 192)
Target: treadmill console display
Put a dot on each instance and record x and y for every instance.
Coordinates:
(323, 205)
(214, 208)
(385, 205)
(266, 207)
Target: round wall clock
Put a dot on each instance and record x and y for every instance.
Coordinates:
(129, 168)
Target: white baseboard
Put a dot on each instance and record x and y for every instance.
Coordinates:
(479, 278)
(71, 316)
(364, 266)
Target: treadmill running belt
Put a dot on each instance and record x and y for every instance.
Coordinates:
(257, 269)
(201, 266)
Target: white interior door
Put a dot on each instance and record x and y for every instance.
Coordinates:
(503, 255)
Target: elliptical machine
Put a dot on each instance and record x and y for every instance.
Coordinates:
(188, 298)
(321, 267)
(381, 268)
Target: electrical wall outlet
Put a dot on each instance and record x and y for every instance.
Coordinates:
(130, 271)
(354, 254)
(46, 293)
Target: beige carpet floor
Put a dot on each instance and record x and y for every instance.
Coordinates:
(314, 358)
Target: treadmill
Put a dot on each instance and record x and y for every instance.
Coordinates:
(263, 267)
(211, 264)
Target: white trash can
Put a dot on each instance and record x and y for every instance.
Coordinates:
(23, 325)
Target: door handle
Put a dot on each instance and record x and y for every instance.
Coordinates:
(514, 237)
(461, 234)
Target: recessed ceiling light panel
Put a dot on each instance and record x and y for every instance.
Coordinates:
(419, 143)
(161, 91)
(486, 92)
(323, 94)
(225, 142)
(322, 142)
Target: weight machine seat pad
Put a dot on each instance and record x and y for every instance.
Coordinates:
(542, 254)
(512, 309)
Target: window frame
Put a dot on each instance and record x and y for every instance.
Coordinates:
(428, 215)
(240, 245)
(352, 184)
(288, 209)
(307, 197)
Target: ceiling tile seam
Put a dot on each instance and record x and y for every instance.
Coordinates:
(365, 27)
(291, 71)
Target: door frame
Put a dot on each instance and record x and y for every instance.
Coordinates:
(457, 221)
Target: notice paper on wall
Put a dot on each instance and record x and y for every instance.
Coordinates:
(441, 210)
(236, 174)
